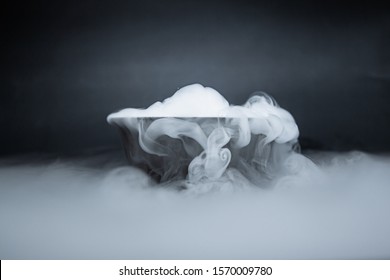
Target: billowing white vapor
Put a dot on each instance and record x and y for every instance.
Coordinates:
(278, 204)
(195, 137)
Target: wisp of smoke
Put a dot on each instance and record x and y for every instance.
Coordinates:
(196, 141)
(206, 181)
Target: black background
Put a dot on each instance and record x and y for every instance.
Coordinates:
(66, 65)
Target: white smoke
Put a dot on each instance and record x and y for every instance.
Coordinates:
(88, 209)
(197, 137)
(224, 183)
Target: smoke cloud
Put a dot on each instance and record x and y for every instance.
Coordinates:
(215, 181)
(100, 208)
(197, 138)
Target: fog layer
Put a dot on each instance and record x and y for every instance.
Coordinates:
(100, 208)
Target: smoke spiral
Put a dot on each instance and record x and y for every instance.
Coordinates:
(195, 136)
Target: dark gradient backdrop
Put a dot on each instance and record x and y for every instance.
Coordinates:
(65, 65)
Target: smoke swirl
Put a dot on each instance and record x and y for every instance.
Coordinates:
(207, 140)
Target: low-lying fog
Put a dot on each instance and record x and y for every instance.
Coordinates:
(97, 207)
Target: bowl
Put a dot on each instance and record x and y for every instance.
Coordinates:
(200, 149)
